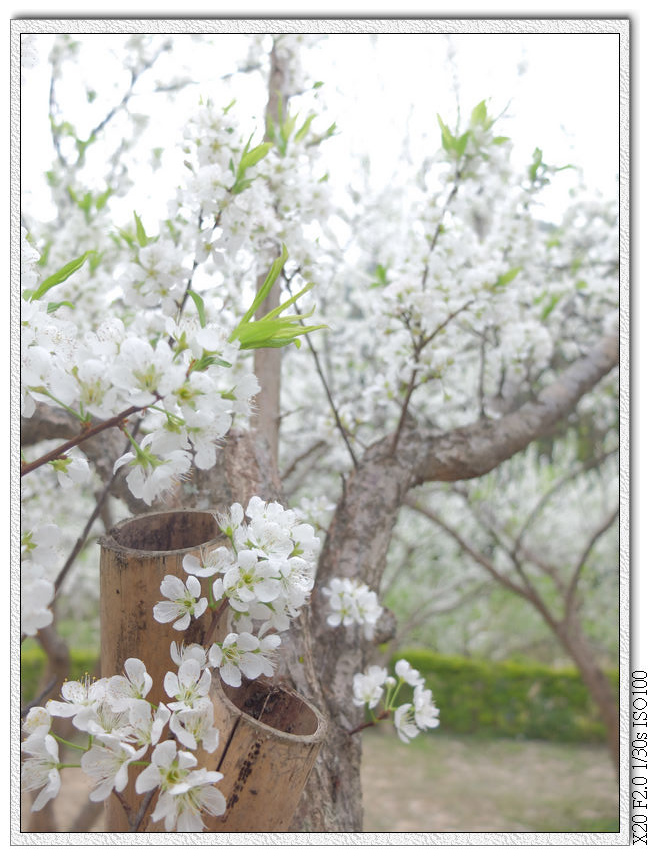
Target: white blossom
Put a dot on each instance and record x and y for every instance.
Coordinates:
(368, 687)
(404, 720)
(184, 602)
(41, 769)
(243, 654)
(181, 805)
(108, 765)
(122, 691)
(189, 687)
(408, 674)
(194, 727)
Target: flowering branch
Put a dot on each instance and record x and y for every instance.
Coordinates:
(87, 433)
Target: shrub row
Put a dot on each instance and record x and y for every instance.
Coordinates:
(510, 699)
(33, 669)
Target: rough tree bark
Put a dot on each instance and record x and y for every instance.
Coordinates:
(578, 647)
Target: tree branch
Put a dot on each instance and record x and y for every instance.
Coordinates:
(583, 467)
(86, 433)
(575, 576)
(477, 448)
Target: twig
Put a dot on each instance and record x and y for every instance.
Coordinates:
(142, 810)
(600, 531)
(86, 530)
(87, 433)
(330, 398)
(303, 456)
(38, 700)
(423, 343)
(363, 726)
(584, 467)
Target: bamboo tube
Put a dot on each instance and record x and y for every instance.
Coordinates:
(135, 556)
(268, 743)
(269, 736)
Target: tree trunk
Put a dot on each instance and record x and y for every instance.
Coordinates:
(268, 361)
(356, 547)
(576, 644)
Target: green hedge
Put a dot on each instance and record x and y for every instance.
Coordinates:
(510, 699)
(33, 666)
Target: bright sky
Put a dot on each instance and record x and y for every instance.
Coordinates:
(565, 101)
(560, 92)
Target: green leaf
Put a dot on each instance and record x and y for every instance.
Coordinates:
(200, 306)
(460, 144)
(100, 201)
(508, 276)
(278, 309)
(273, 330)
(550, 306)
(52, 307)
(274, 272)
(304, 129)
(287, 128)
(448, 140)
(536, 163)
(273, 334)
(45, 254)
(479, 114)
(248, 159)
(381, 276)
(95, 260)
(60, 276)
(82, 146)
(208, 359)
(140, 233)
(252, 157)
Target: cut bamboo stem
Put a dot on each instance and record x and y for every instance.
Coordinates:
(269, 736)
(136, 554)
(269, 740)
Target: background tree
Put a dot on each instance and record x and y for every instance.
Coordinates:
(461, 329)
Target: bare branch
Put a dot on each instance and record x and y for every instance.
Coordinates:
(330, 399)
(479, 558)
(86, 433)
(598, 533)
(412, 383)
(477, 448)
(319, 445)
(584, 467)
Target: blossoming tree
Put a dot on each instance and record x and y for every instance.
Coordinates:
(441, 328)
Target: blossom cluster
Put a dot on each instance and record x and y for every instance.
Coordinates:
(262, 578)
(39, 554)
(375, 685)
(124, 729)
(350, 602)
(107, 372)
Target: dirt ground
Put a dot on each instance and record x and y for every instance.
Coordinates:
(442, 783)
